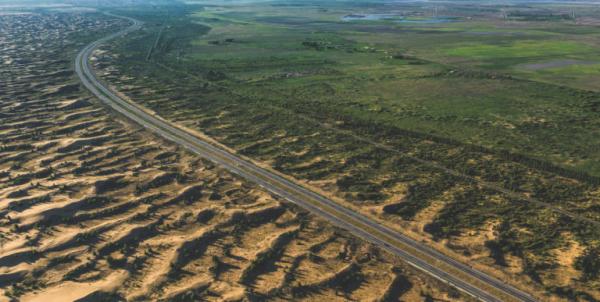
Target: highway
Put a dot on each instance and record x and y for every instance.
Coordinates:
(457, 274)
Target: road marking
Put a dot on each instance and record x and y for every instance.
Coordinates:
(356, 223)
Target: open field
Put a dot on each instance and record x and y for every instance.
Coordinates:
(431, 78)
(455, 133)
(93, 208)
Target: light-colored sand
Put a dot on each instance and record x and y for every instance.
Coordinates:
(70, 291)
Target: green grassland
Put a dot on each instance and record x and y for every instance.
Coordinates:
(280, 58)
(519, 49)
(292, 84)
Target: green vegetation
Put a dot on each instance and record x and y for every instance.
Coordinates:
(589, 263)
(401, 116)
(519, 49)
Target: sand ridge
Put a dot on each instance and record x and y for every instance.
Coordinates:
(92, 207)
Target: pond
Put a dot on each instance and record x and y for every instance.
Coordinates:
(397, 18)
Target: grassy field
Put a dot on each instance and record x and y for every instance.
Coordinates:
(414, 119)
(393, 77)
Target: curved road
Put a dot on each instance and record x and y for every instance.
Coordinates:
(417, 254)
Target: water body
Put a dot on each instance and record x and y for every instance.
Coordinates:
(396, 18)
(429, 21)
(370, 17)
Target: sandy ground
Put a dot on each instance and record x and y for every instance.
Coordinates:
(93, 208)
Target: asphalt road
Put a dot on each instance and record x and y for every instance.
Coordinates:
(417, 254)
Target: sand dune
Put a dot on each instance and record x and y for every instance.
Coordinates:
(94, 208)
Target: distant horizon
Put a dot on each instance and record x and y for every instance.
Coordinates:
(74, 2)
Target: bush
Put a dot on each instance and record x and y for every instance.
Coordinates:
(589, 263)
